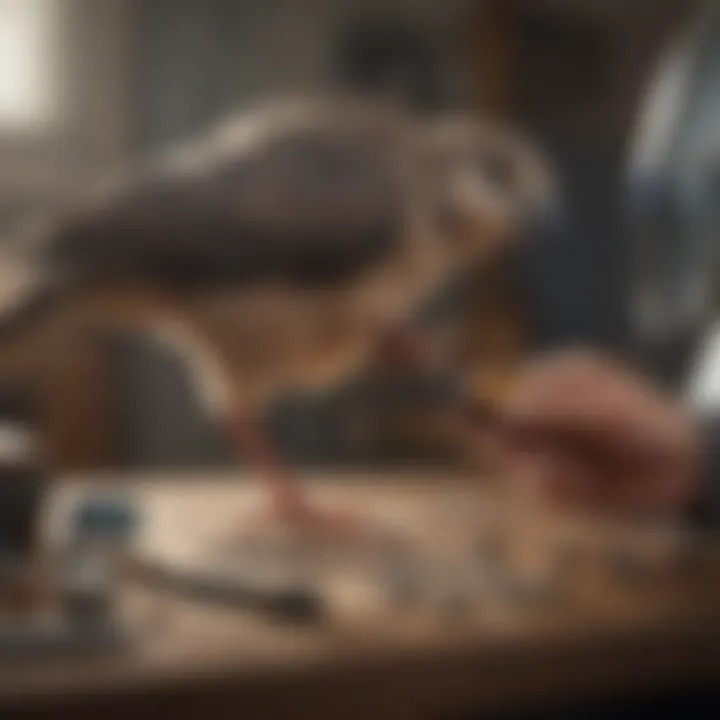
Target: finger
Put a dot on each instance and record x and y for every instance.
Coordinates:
(565, 370)
(656, 491)
(559, 378)
(583, 399)
(558, 396)
(545, 473)
(615, 419)
(571, 480)
(600, 477)
(573, 475)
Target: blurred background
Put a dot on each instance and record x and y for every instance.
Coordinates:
(91, 86)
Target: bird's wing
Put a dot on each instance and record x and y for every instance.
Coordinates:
(309, 202)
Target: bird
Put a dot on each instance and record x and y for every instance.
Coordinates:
(280, 250)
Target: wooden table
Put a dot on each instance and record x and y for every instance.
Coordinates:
(195, 659)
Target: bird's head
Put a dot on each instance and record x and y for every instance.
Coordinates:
(492, 189)
(479, 193)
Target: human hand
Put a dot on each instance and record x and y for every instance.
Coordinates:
(592, 433)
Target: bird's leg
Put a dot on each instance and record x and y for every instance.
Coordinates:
(166, 320)
(218, 394)
(259, 451)
(288, 503)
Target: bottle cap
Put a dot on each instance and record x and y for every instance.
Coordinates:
(105, 516)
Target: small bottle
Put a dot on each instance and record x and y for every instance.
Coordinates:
(101, 528)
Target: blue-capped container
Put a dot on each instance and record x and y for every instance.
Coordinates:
(101, 527)
(108, 516)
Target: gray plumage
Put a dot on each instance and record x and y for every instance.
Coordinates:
(314, 203)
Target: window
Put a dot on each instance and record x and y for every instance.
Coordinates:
(27, 62)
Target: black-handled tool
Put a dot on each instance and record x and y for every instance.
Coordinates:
(294, 603)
